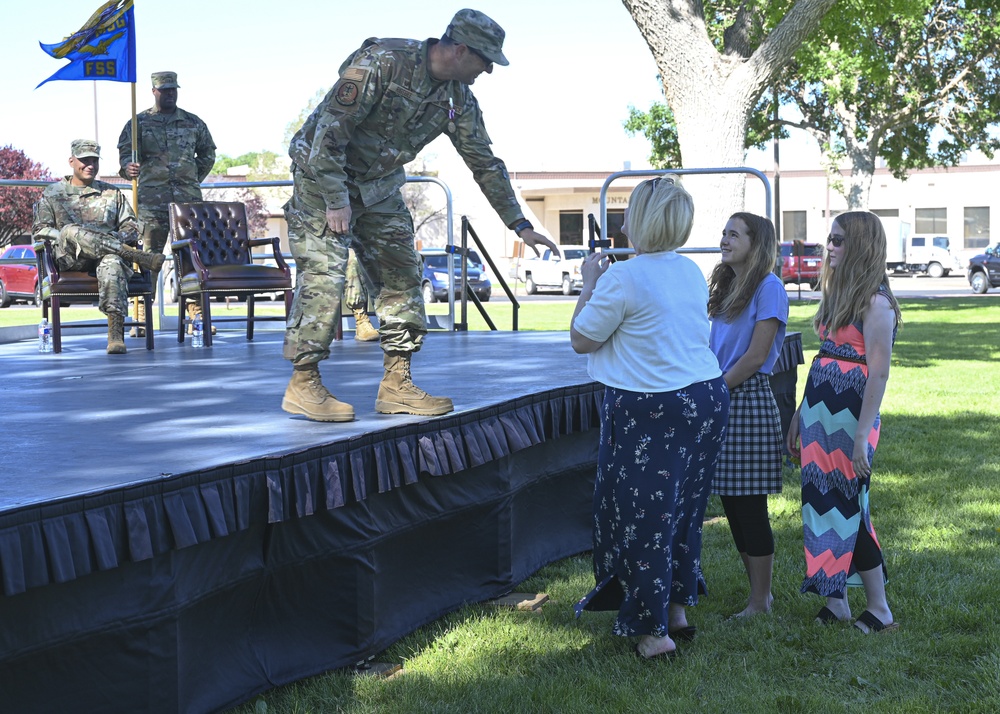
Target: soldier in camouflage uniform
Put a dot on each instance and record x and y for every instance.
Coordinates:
(175, 154)
(91, 227)
(393, 97)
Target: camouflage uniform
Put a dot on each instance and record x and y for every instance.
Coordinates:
(177, 153)
(87, 226)
(355, 290)
(351, 151)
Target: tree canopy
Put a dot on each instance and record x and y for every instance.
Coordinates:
(914, 82)
(262, 164)
(16, 203)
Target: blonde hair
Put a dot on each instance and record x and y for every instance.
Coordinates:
(660, 214)
(729, 294)
(847, 289)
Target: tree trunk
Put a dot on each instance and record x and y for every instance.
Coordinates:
(713, 93)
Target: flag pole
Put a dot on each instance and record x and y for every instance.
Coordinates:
(96, 134)
(135, 156)
(135, 190)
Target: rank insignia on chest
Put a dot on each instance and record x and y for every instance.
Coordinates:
(347, 93)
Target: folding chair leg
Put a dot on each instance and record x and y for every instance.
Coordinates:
(56, 327)
(206, 318)
(180, 319)
(148, 301)
(249, 318)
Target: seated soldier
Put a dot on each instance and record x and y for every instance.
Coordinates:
(93, 229)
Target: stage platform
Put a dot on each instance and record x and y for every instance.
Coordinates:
(172, 541)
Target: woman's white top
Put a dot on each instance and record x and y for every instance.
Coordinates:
(651, 313)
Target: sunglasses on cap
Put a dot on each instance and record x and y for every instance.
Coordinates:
(486, 60)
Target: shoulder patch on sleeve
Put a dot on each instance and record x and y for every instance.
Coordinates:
(347, 93)
(354, 74)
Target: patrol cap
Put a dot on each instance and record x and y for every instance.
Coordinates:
(165, 80)
(82, 148)
(473, 28)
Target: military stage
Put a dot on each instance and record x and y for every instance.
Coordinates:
(170, 540)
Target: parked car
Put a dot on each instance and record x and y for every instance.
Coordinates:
(435, 281)
(800, 262)
(19, 280)
(984, 270)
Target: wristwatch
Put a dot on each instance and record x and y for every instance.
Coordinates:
(523, 224)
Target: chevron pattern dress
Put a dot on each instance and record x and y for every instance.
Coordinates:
(834, 499)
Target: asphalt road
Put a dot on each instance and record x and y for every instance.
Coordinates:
(902, 286)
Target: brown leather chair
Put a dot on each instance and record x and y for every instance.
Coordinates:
(61, 288)
(212, 258)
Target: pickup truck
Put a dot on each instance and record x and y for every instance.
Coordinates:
(552, 272)
(984, 270)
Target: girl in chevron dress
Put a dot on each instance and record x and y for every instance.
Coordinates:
(836, 428)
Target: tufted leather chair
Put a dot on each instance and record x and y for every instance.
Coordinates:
(212, 257)
(61, 288)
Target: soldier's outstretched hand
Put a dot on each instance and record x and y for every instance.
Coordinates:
(532, 238)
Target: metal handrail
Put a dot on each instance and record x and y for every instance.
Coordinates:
(468, 230)
(679, 172)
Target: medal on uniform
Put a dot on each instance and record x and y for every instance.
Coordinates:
(451, 115)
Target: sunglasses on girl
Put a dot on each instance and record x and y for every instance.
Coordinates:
(836, 240)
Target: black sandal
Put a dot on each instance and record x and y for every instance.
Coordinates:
(683, 634)
(874, 624)
(826, 617)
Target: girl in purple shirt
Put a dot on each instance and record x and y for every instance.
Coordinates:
(748, 308)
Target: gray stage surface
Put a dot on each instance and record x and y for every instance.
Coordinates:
(83, 422)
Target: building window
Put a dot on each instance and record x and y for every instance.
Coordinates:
(931, 220)
(977, 227)
(616, 219)
(793, 226)
(571, 227)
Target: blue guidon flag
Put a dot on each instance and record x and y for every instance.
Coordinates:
(103, 49)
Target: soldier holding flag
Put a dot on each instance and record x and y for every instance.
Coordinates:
(175, 153)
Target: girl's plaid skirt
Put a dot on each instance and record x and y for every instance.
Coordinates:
(750, 463)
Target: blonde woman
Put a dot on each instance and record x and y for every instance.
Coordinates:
(748, 307)
(644, 325)
(837, 425)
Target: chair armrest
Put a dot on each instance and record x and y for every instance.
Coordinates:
(46, 263)
(275, 244)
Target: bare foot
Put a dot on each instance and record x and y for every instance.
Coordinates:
(650, 646)
(754, 608)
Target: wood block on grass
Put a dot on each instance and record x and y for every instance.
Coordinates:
(381, 670)
(531, 602)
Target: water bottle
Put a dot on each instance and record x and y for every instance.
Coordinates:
(197, 334)
(44, 337)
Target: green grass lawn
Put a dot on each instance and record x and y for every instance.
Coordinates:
(936, 508)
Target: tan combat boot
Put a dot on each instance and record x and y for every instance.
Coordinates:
(147, 261)
(363, 330)
(140, 316)
(116, 334)
(397, 394)
(307, 396)
(194, 310)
